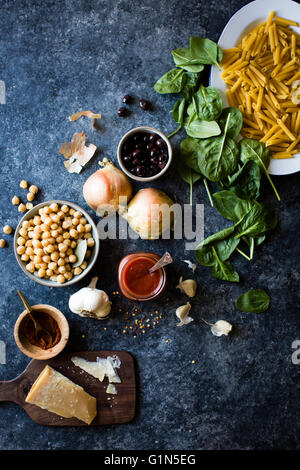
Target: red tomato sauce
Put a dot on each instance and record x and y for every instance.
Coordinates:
(137, 278)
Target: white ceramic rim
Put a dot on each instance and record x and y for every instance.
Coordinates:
(240, 23)
(45, 282)
(150, 130)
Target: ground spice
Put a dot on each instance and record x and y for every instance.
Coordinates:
(47, 322)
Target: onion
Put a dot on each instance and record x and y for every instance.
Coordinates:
(148, 213)
(104, 188)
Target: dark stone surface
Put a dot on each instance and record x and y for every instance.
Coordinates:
(57, 58)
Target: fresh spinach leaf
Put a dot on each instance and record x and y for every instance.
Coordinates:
(189, 148)
(191, 84)
(183, 59)
(257, 151)
(260, 219)
(235, 122)
(217, 157)
(189, 176)
(171, 82)
(253, 301)
(205, 50)
(201, 129)
(245, 183)
(207, 103)
(224, 271)
(218, 236)
(231, 206)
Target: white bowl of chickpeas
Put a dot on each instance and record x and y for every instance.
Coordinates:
(46, 239)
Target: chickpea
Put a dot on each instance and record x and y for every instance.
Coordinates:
(90, 242)
(23, 184)
(60, 262)
(67, 223)
(37, 220)
(88, 227)
(80, 228)
(33, 189)
(52, 266)
(67, 242)
(72, 211)
(7, 229)
(53, 278)
(62, 270)
(64, 208)
(86, 235)
(66, 235)
(88, 254)
(83, 220)
(69, 252)
(30, 197)
(68, 267)
(54, 226)
(73, 233)
(50, 249)
(54, 233)
(37, 259)
(51, 240)
(72, 259)
(21, 250)
(54, 256)
(39, 252)
(62, 247)
(75, 221)
(54, 218)
(53, 207)
(46, 235)
(61, 214)
(73, 244)
(21, 241)
(23, 232)
(15, 201)
(48, 221)
(77, 271)
(45, 243)
(60, 278)
(29, 206)
(36, 244)
(26, 223)
(41, 272)
(49, 273)
(30, 267)
(60, 230)
(25, 257)
(46, 259)
(68, 276)
(21, 207)
(30, 233)
(83, 265)
(47, 210)
(29, 251)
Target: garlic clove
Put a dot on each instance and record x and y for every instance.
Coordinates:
(188, 287)
(182, 314)
(191, 265)
(221, 327)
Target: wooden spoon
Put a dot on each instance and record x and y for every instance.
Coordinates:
(38, 328)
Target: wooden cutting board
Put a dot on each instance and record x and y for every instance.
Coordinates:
(112, 409)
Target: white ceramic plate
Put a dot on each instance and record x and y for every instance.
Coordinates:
(240, 24)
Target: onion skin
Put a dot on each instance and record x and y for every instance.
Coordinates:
(139, 217)
(103, 189)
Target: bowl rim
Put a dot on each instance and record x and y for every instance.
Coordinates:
(148, 129)
(65, 333)
(94, 255)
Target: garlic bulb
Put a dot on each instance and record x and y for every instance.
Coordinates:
(149, 214)
(107, 190)
(188, 287)
(182, 313)
(90, 302)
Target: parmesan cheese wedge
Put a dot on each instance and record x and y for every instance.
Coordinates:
(56, 393)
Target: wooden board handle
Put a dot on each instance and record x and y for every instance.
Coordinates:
(12, 390)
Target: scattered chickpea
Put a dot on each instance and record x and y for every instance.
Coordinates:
(7, 229)
(33, 189)
(29, 206)
(2, 243)
(21, 207)
(30, 196)
(15, 201)
(24, 184)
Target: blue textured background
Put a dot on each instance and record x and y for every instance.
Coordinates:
(56, 58)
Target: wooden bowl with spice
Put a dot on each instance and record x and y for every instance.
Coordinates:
(41, 346)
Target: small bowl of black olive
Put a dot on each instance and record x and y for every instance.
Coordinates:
(144, 153)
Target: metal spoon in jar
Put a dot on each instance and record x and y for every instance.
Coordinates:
(163, 261)
(38, 328)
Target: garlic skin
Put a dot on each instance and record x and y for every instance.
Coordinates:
(149, 214)
(188, 287)
(90, 302)
(182, 314)
(221, 327)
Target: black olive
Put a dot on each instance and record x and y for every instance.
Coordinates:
(135, 162)
(122, 112)
(127, 99)
(161, 165)
(160, 143)
(154, 152)
(144, 105)
(139, 171)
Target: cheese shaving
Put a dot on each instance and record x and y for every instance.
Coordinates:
(111, 389)
(101, 368)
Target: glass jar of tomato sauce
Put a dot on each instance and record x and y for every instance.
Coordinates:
(135, 281)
